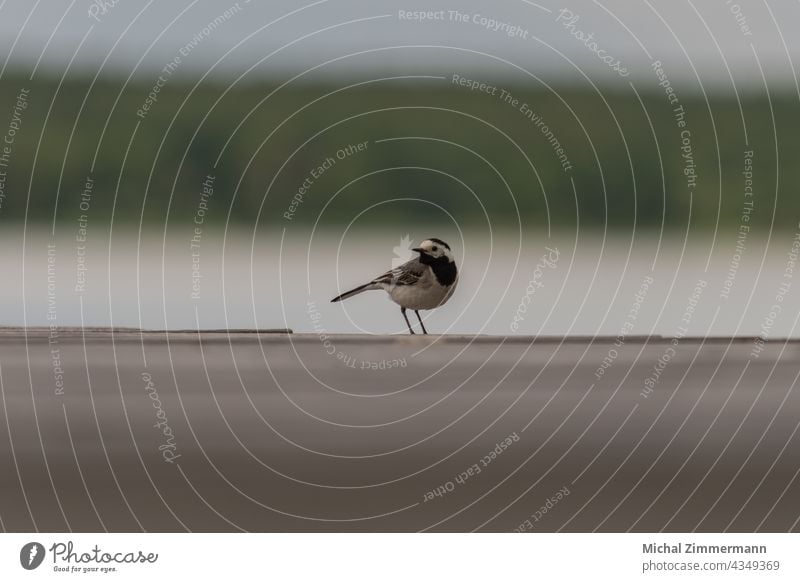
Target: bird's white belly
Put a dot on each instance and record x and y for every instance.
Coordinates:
(427, 295)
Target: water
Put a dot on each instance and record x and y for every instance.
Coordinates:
(567, 284)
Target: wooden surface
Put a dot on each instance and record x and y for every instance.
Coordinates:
(270, 432)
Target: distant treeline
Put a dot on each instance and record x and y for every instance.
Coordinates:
(165, 149)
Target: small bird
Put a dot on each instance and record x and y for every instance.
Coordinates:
(425, 282)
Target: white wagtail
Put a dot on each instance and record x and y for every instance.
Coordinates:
(425, 282)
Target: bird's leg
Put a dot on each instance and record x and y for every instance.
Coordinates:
(425, 331)
(408, 323)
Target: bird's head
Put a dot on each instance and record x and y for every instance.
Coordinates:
(434, 248)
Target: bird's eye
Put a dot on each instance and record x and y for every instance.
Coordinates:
(434, 249)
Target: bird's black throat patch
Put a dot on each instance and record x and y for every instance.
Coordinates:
(443, 269)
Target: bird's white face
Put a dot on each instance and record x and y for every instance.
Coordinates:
(435, 248)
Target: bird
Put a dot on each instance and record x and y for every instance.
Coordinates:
(425, 282)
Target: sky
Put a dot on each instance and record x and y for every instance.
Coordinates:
(702, 44)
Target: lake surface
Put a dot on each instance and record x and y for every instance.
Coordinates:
(565, 284)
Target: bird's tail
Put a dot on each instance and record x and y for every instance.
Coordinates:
(356, 291)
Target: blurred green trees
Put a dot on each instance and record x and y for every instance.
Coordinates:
(468, 153)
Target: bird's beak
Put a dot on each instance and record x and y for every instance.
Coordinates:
(418, 250)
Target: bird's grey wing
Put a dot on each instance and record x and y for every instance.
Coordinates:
(406, 274)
